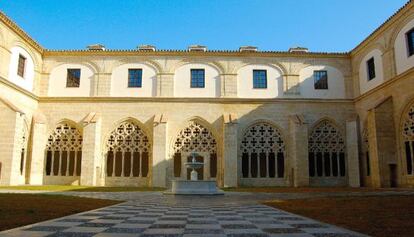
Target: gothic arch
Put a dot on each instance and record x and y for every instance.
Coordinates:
(64, 150)
(365, 151)
(262, 151)
(115, 125)
(23, 144)
(196, 138)
(326, 145)
(327, 119)
(128, 152)
(406, 135)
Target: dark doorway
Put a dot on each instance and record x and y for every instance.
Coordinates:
(393, 176)
(200, 171)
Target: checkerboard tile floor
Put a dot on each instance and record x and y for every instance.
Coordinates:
(155, 219)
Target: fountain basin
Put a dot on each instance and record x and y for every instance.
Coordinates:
(191, 187)
(194, 165)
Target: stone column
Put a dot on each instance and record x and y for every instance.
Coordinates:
(231, 171)
(165, 84)
(39, 139)
(352, 153)
(228, 85)
(299, 150)
(160, 149)
(91, 153)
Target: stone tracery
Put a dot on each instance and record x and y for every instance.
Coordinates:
(64, 151)
(195, 138)
(23, 147)
(263, 152)
(408, 139)
(326, 151)
(127, 150)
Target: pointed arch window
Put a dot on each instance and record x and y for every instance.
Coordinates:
(195, 138)
(127, 151)
(408, 139)
(326, 151)
(64, 151)
(23, 148)
(263, 152)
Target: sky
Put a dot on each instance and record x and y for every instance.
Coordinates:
(320, 25)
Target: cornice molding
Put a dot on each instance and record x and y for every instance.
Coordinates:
(20, 32)
(187, 100)
(406, 74)
(184, 53)
(9, 84)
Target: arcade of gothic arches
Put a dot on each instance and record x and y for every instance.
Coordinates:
(127, 151)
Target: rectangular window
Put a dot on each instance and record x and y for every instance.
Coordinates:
(21, 65)
(197, 78)
(371, 69)
(73, 77)
(135, 77)
(321, 80)
(410, 42)
(259, 79)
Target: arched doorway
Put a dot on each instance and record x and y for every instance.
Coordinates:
(63, 155)
(263, 155)
(327, 159)
(127, 156)
(195, 138)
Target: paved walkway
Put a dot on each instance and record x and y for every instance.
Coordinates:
(154, 214)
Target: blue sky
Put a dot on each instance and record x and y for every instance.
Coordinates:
(320, 25)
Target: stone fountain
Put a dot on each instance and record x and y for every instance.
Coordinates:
(194, 186)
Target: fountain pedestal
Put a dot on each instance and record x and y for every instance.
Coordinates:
(194, 186)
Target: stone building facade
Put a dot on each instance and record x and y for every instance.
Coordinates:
(104, 117)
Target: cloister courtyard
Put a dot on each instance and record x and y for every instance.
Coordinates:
(269, 211)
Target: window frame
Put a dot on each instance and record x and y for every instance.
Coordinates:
(68, 85)
(409, 36)
(196, 84)
(259, 85)
(21, 68)
(371, 76)
(131, 85)
(315, 81)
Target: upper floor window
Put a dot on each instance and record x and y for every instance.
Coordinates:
(73, 77)
(371, 68)
(21, 65)
(321, 80)
(259, 79)
(197, 78)
(134, 77)
(410, 42)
